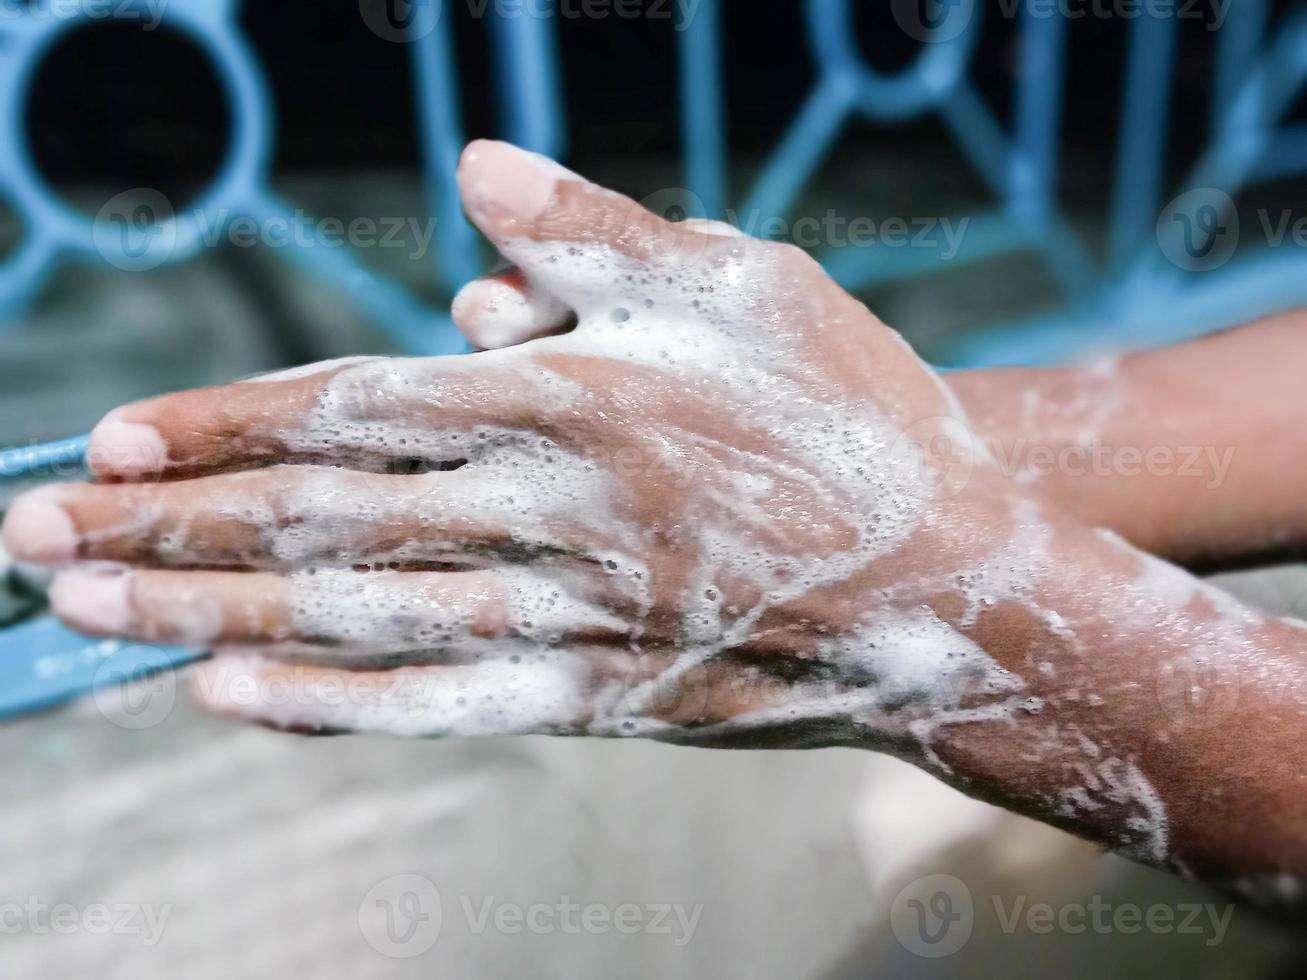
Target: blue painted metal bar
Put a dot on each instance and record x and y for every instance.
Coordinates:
(1141, 156)
(807, 141)
(1067, 260)
(703, 120)
(28, 461)
(1285, 154)
(980, 137)
(1033, 164)
(1236, 49)
(1271, 282)
(974, 238)
(926, 84)
(415, 328)
(1246, 137)
(22, 274)
(440, 124)
(43, 664)
(527, 67)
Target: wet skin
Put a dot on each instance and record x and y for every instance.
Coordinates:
(700, 494)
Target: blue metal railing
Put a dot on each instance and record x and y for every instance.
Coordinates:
(1140, 296)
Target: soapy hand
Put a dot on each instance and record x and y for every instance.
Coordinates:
(694, 491)
(727, 504)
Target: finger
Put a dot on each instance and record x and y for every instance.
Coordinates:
(206, 426)
(521, 200)
(361, 413)
(561, 692)
(505, 309)
(346, 617)
(493, 698)
(185, 608)
(289, 517)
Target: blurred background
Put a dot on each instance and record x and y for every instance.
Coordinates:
(193, 191)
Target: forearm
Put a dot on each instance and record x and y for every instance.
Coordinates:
(1196, 452)
(1153, 714)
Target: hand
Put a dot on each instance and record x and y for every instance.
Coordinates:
(722, 505)
(728, 507)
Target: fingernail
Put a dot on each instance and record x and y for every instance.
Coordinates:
(121, 448)
(92, 601)
(37, 529)
(500, 179)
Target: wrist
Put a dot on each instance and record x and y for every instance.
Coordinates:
(1091, 441)
(1154, 713)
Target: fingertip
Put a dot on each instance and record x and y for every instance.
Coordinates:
(94, 602)
(490, 312)
(470, 158)
(502, 311)
(506, 188)
(124, 448)
(38, 529)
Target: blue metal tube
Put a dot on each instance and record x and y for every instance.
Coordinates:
(44, 664)
(1139, 164)
(32, 460)
(441, 127)
(527, 67)
(703, 118)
